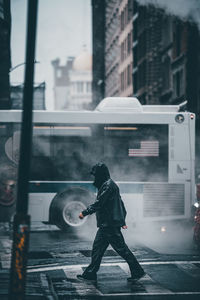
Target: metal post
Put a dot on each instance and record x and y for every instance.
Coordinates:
(22, 220)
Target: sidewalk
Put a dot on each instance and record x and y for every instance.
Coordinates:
(55, 259)
(38, 285)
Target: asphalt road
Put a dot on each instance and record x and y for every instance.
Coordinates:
(55, 258)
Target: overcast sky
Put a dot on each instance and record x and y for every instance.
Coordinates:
(63, 27)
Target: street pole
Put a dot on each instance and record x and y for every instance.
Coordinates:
(21, 225)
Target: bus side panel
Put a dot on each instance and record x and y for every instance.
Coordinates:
(179, 153)
(134, 207)
(39, 204)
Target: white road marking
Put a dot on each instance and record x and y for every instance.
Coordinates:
(60, 267)
(147, 281)
(151, 294)
(152, 287)
(82, 287)
(190, 269)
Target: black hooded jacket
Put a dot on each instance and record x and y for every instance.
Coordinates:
(109, 207)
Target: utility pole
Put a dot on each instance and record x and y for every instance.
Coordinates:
(21, 225)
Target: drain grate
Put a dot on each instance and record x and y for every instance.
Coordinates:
(88, 253)
(39, 255)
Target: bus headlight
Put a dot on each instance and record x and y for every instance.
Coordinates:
(196, 204)
(163, 229)
(191, 116)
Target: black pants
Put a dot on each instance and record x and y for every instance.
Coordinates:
(114, 237)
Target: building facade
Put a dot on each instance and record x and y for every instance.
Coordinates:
(72, 83)
(5, 57)
(148, 54)
(125, 45)
(98, 45)
(61, 83)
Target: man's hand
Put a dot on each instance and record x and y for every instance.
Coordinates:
(124, 227)
(81, 216)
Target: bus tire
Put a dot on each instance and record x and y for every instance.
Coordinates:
(66, 206)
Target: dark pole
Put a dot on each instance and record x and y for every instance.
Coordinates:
(21, 219)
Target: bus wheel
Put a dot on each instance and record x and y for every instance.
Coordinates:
(67, 205)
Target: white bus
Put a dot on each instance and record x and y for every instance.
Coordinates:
(149, 150)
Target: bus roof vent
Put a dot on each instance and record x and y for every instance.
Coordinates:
(119, 104)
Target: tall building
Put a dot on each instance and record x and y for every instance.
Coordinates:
(5, 58)
(72, 83)
(126, 9)
(61, 83)
(146, 53)
(98, 45)
(112, 50)
(147, 37)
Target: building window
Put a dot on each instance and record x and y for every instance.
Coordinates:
(126, 15)
(135, 83)
(122, 20)
(142, 74)
(135, 7)
(129, 74)
(142, 45)
(122, 81)
(122, 51)
(59, 73)
(125, 79)
(178, 86)
(166, 73)
(177, 39)
(135, 30)
(88, 87)
(130, 9)
(135, 58)
(125, 48)
(79, 87)
(129, 43)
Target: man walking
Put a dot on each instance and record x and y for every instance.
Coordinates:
(110, 214)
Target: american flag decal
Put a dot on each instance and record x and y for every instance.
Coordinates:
(147, 148)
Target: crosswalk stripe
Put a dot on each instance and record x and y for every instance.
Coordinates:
(190, 269)
(151, 294)
(150, 285)
(82, 287)
(49, 267)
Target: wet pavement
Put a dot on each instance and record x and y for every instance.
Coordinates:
(55, 258)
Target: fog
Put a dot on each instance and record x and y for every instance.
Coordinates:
(187, 10)
(62, 30)
(159, 198)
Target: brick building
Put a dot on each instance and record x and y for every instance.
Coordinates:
(146, 53)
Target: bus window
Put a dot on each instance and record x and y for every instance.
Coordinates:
(137, 152)
(41, 146)
(66, 153)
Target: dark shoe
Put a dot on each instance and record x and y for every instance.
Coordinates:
(134, 278)
(87, 278)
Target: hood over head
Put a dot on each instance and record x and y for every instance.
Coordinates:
(101, 174)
